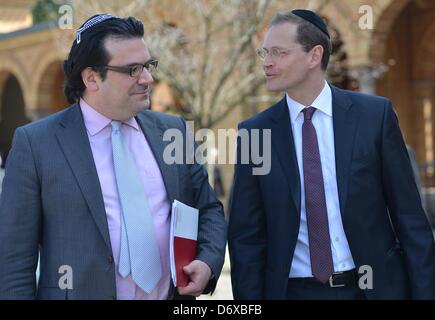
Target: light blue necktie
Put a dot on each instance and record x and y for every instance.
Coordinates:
(139, 252)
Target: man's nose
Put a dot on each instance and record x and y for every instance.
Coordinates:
(145, 77)
(267, 62)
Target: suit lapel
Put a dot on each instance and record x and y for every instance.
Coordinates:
(154, 130)
(283, 143)
(345, 121)
(74, 142)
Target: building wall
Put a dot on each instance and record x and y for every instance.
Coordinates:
(410, 80)
(28, 56)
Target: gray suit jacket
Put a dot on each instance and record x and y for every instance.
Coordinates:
(52, 204)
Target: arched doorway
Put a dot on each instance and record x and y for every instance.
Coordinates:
(50, 90)
(12, 110)
(409, 51)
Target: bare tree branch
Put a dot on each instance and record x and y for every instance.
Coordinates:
(244, 42)
(205, 48)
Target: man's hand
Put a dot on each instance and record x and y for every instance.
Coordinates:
(199, 273)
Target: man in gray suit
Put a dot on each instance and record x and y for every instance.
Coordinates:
(76, 180)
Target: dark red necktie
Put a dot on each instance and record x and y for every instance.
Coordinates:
(315, 204)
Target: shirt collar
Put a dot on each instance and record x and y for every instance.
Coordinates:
(95, 121)
(323, 102)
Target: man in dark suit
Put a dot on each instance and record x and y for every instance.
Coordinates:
(339, 215)
(89, 189)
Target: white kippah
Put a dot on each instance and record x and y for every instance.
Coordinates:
(92, 22)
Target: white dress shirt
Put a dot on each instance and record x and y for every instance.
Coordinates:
(322, 121)
(1, 179)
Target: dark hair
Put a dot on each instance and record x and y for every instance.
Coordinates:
(91, 52)
(307, 34)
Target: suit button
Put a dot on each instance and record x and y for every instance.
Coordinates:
(110, 259)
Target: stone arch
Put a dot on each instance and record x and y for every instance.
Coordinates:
(48, 70)
(49, 88)
(382, 29)
(9, 66)
(46, 59)
(425, 68)
(410, 65)
(409, 81)
(12, 110)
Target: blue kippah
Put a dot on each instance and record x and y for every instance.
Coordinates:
(312, 17)
(92, 22)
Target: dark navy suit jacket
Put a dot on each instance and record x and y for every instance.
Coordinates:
(381, 210)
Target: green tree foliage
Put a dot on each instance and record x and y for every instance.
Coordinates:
(45, 10)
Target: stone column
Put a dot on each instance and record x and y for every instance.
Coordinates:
(367, 77)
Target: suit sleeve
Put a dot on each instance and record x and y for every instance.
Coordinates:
(406, 211)
(246, 232)
(212, 227)
(20, 222)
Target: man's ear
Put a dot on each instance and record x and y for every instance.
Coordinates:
(316, 56)
(91, 79)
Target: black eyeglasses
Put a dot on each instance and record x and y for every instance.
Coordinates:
(135, 70)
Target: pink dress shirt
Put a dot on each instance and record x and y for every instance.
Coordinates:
(99, 133)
